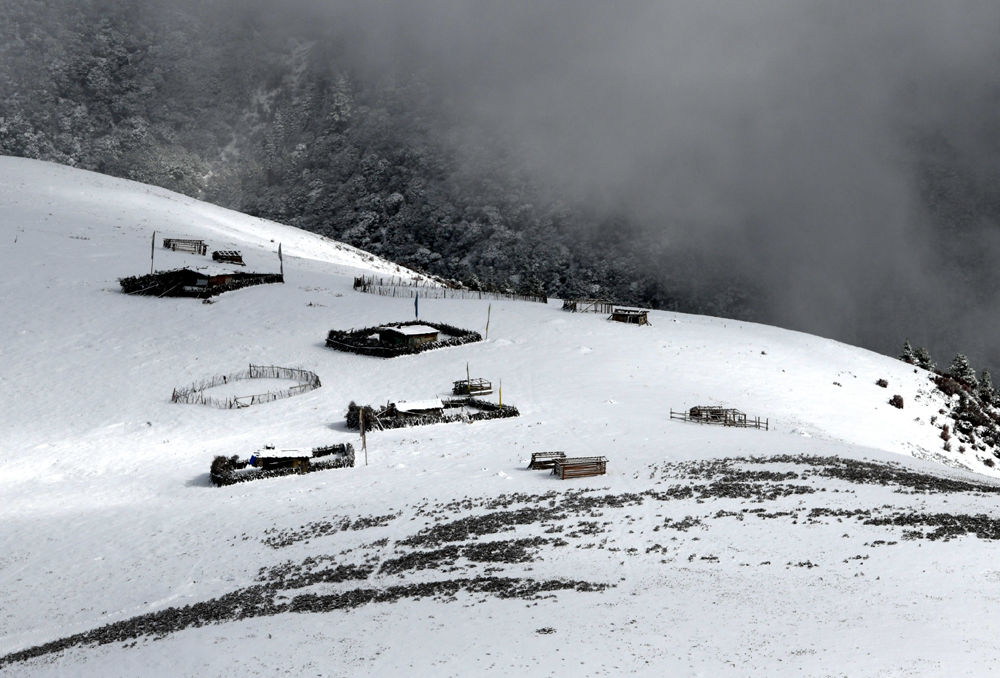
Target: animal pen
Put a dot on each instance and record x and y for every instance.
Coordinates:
(588, 305)
(397, 339)
(472, 387)
(631, 316)
(186, 245)
(422, 413)
(186, 282)
(307, 381)
(721, 416)
(273, 463)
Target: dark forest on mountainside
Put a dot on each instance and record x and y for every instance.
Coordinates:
(279, 114)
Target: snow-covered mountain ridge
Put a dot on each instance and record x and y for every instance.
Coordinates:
(704, 550)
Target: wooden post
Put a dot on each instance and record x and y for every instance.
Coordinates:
(364, 442)
(486, 335)
(468, 379)
(152, 253)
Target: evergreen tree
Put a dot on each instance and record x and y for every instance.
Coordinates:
(962, 371)
(923, 358)
(987, 394)
(907, 355)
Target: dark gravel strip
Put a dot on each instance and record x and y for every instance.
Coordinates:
(259, 601)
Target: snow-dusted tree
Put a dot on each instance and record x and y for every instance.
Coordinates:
(923, 358)
(962, 371)
(987, 394)
(907, 356)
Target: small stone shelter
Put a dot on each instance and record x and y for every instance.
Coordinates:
(416, 408)
(411, 336)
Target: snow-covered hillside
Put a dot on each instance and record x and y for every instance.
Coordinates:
(813, 548)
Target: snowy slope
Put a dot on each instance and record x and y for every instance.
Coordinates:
(108, 513)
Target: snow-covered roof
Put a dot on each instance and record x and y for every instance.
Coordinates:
(409, 330)
(420, 405)
(215, 269)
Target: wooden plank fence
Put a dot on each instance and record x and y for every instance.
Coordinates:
(195, 394)
(186, 245)
(588, 305)
(723, 420)
(405, 289)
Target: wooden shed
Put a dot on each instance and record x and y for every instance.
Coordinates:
(407, 335)
(229, 257)
(632, 316)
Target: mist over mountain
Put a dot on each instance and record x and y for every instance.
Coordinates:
(830, 167)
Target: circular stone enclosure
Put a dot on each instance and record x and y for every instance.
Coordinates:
(197, 393)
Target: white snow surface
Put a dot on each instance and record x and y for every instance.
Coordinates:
(108, 513)
(418, 405)
(411, 330)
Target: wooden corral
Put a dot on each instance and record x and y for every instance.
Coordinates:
(721, 416)
(631, 316)
(391, 341)
(472, 387)
(579, 467)
(271, 463)
(186, 245)
(544, 460)
(186, 282)
(588, 305)
(229, 257)
(400, 415)
(195, 394)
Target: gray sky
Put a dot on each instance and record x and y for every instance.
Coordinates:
(782, 138)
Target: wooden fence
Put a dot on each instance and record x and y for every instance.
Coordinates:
(231, 470)
(186, 245)
(195, 394)
(588, 305)
(726, 420)
(407, 289)
(389, 418)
